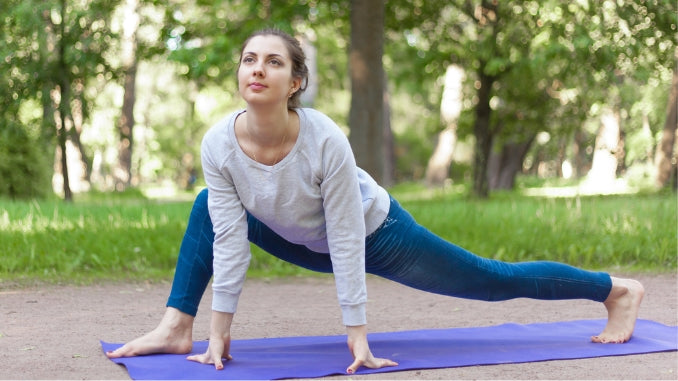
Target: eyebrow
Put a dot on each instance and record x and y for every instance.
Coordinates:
(267, 56)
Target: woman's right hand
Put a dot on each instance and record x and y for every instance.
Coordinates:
(220, 341)
(217, 351)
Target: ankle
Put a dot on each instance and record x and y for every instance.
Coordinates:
(176, 319)
(622, 287)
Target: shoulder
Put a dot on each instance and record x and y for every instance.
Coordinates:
(319, 125)
(314, 115)
(218, 133)
(217, 143)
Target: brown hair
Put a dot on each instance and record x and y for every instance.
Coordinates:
(297, 55)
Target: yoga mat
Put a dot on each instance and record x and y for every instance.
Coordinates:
(318, 356)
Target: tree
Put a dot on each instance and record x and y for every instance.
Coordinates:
(366, 118)
(24, 161)
(451, 105)
(532, 66)
(57, 49)
(664, 157)
(203, 39)
(207, 44)
(492, 42)
(125, 125)
(80, 32)
(23, 168)
(532, 69)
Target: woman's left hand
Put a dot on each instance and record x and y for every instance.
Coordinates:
(360, 349)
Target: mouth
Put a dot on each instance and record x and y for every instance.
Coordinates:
(256, 86)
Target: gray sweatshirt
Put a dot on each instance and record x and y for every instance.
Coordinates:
(316, 196)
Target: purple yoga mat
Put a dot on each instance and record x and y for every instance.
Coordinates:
(318, 356)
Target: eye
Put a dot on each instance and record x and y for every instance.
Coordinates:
(248, 59)
(276, 62)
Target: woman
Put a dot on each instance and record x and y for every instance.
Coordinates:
(285, 179)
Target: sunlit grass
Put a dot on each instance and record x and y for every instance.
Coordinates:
(631, 232)
(85, 240)
(131, 237)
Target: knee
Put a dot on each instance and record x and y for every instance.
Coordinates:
(200, 205)
(201, 198)
(202, 195)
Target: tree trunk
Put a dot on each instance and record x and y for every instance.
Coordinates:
(562, 161)
(366, 117)
(604, 167)
(123, 172)
(388, 177)
(61, 136)
(664, 160)
(483, 134)
(438, 167)
(504, 166)
(74, 135)
(63, 104)
(49, 130)
(579, 148)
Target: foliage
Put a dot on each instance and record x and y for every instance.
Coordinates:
(23, 164)
(52, 51)
(106, 236)
(557, 64)
(549, 64)
(208, 46)
(193, 84)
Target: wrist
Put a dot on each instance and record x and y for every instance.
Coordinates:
(221, 323)
(355, 331)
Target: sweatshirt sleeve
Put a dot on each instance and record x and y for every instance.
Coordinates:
(345, 226)
(231, 247)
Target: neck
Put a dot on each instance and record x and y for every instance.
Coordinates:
(267, 126)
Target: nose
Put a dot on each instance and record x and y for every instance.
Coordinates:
(258, 70)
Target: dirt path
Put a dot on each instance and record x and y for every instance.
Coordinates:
(54, 332)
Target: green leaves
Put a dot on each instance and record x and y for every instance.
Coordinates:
(551, 61)
(23, 164)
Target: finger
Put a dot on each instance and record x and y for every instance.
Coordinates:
(227, 349)
(201, 358)
(204, 359)
(216, 359)
(219, 365)
(380, 363)
(357, 363)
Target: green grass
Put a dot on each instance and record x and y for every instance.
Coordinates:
(110, 237)
(626, 232)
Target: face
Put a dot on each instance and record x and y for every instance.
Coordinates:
(265, 73)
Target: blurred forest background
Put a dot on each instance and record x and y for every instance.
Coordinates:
(109, 95)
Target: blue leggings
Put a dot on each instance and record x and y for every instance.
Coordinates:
(400, 250)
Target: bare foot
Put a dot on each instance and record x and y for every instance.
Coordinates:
(622, 306)
(173, 335)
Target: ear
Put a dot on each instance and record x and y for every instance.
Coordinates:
(296, 84)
